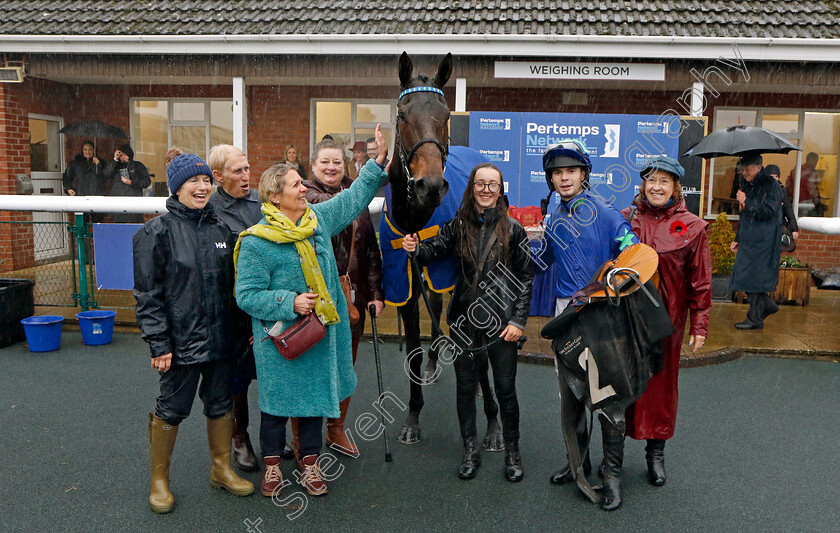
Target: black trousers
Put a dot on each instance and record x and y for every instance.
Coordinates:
(761, 305)
(179, 384)
(502, 357)
(273, 434)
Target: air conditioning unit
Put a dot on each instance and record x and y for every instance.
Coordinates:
(12, 74)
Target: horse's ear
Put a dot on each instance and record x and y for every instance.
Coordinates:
(444, 71)
(406, 69)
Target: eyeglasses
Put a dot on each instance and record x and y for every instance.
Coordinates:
(492, 187)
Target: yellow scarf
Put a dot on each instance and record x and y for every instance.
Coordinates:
(281, 229)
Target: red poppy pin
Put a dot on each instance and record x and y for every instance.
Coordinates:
(678, 228)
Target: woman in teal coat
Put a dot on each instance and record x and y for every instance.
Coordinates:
(285, 269)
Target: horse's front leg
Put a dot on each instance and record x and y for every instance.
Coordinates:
(430, 372)
(493, 441)
(410, 431)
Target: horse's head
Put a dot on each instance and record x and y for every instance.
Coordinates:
(422, 132)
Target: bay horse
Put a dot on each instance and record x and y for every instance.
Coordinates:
(418, 185)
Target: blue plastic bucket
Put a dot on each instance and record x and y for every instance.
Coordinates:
(97, 326)
(43, 333)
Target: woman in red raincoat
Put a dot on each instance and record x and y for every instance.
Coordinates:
(660, 219)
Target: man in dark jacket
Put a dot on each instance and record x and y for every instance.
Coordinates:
(127, 177)
(238, 206)
(758, 241)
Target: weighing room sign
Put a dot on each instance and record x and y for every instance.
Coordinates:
(542, 70)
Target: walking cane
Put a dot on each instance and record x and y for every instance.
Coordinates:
(372, 310)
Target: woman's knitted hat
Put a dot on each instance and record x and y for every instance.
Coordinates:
(184, 167)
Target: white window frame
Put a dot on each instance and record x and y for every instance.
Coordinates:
(759, 118)
(353, 123)
(171, 122)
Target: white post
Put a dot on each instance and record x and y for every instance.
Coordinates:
(697, 106)
(240, 115)
(797, 184)
(461, 95)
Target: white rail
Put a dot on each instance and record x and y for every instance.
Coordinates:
(830, 226)
(101, 204)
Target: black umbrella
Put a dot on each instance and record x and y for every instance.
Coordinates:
(739, 140)
(93, 128)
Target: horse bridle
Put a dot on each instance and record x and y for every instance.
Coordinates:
(406, 157)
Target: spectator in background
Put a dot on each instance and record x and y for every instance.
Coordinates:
(83, 176)
(810, 179)
(371, 148)
(758, 241)
(360, 157)
(292, 160)
(789, 225)
(171, 154)
(127, 177)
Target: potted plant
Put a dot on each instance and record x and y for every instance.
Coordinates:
(721, 236)
(794, 282)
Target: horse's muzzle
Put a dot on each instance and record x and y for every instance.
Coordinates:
(430, 191)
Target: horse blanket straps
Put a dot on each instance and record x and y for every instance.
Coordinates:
(420, 90)
(396, 272)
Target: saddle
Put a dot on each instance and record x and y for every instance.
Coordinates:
(624, 275)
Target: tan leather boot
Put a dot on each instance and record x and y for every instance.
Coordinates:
(161, 442)
(336, 437)
(222, 476)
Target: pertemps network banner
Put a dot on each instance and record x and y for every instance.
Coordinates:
(618, 145)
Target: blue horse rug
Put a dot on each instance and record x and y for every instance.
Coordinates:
(442, 274)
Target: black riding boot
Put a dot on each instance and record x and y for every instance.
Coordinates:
(513, 461)
(471, 460)
(614, 458)
(564, 475)
(655, 456)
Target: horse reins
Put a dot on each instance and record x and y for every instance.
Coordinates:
(406, 157)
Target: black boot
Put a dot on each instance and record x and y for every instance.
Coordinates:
(564, 475)
(614, 459)
(471, 460)
(243, 451)
(513, 461)
(655, 456)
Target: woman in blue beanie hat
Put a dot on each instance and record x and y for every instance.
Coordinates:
(183, 284)
(660, 219)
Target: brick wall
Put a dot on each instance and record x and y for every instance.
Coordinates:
(16, 249)
(279, 115)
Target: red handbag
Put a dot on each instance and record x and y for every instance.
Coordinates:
(305, 333)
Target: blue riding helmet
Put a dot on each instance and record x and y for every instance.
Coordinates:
(565, 154)
(664, 163)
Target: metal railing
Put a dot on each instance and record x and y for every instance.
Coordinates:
(54, 271)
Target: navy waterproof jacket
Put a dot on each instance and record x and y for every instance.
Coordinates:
(580, 236)
(759, 236)
(183, 284)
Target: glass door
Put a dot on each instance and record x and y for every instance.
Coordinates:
(46, 154)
